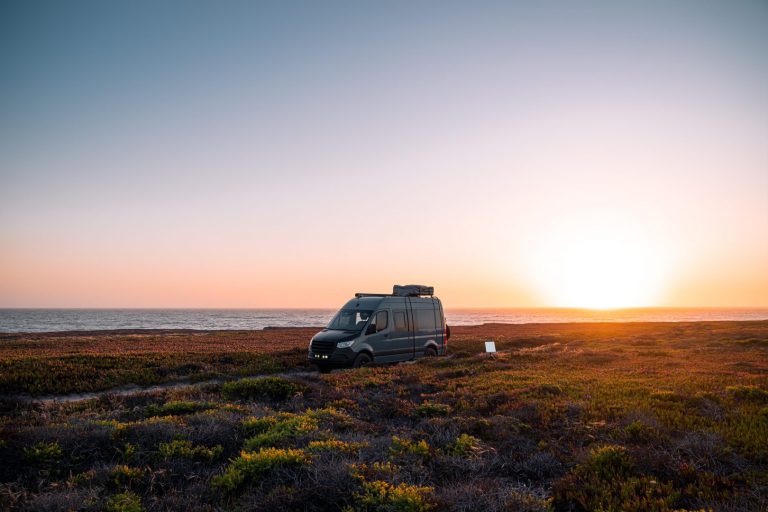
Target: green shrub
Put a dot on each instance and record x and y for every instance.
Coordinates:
(608, 462)
(81, 479)
(382, 496)
(185, 449)
(635, 494)
(249, 466)
(431, 410)
(465, 446)
(608, 481)
(666, 396)
(124, 502)
(253, 426)
(549, 390)
(176, 408)
(128, 451)
(335, 445)
(275, 388)
(334, 417)
(44, 452)
(748, 393)
(375, 471)
(277, 430)
(124, 475)
(407, 447)
(639, 432)
(748, 432)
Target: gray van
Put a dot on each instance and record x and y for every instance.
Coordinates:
(382, 328)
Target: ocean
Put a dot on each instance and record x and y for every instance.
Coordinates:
(44, 320)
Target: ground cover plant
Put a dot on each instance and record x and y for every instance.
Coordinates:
(566, 417)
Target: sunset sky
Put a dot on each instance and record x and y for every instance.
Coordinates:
(289, 154)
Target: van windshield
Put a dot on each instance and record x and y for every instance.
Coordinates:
(349, 320)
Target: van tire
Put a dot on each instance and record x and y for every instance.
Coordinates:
(430, 352)
(324, 369)
(361, 360)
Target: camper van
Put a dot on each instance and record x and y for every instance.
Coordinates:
(377, 328)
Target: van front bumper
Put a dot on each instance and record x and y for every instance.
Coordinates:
(339, 357)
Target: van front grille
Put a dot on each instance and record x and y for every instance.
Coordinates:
(323, 347)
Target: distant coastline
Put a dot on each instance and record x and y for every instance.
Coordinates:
(52, 320)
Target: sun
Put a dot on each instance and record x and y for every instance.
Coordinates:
(597, 264)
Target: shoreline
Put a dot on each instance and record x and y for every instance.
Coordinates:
(160, 331)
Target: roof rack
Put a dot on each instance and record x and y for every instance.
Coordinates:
(363, 294)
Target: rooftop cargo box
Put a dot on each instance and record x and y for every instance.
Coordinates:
(412, 290)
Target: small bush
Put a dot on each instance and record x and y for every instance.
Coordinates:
(408, 447)
(748, 393)
(608, 462)
(639, 432)
(185, 449)
(608, 481)
(375, 471)
(124, 502)
(333, 417)
(128, 452)
(666, 396)
(249, 466)
(277, 430)
(431, 410)
(81, 479)
(275, 388)
(177, 408)
(254, 426)
(124, 475)
(44, 452)
(335, 445)
(465, 446)
(549, 390)
(382, 496)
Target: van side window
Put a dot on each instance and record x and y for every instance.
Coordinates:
(425, 319)
(400, 324)
(381, 320)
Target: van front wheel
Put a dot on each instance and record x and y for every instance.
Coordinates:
(362, 360)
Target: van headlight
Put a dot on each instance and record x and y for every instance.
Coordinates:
(345, 344)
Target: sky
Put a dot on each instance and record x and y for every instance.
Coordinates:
(289, 154)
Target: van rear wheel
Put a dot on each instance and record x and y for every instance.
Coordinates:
(430, 352)
(362, 360)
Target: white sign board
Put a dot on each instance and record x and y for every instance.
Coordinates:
(490, 346)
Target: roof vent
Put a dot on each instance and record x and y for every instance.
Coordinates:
(412, 290)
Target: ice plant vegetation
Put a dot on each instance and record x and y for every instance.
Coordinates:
(633, 417)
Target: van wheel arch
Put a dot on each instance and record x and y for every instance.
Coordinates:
(360, 359)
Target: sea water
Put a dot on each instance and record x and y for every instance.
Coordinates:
(44, 320)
